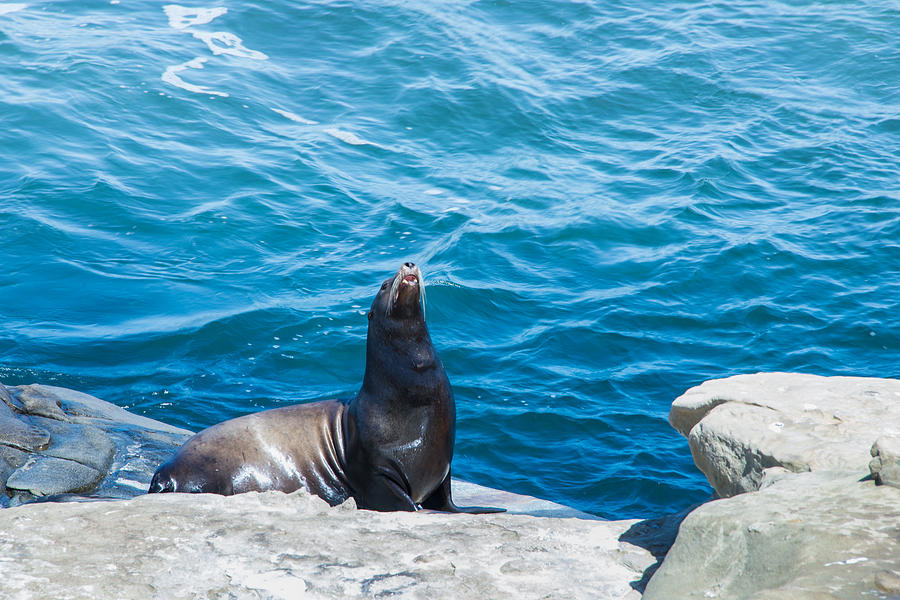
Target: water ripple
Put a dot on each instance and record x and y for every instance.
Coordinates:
(611, 202)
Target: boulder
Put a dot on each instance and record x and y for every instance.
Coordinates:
(822, 535)
(17, 431)
(739, 426)
(43, 475)
(802, 517)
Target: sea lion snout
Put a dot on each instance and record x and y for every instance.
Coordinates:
(409, 272)
(405, 291)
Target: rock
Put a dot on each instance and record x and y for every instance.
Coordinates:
(83, 408)
(6, 398)
(740, 426)
(17, 431)
(10, 460)
(85, 444)
(885, 466)
(74, 443)
(275, 545)
(47, 476)
(811, 535)
(36, 400)
(470, 494)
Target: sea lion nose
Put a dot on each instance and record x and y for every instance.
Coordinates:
(409, 265)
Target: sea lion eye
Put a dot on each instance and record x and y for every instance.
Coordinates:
(384, 285)
(369, 316)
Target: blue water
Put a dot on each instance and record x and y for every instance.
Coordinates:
(611, 202)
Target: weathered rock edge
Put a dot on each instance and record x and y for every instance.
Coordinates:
(806, 520)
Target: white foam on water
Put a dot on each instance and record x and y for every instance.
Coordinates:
(223, 42)
(294, 117)
(5, 9)
(182, 17)
(348, 137)
(171, 77)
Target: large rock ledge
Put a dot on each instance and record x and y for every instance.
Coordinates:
(806, 459)
(57, 444)
(275, 545)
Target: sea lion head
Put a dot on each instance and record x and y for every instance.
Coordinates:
(399, 302)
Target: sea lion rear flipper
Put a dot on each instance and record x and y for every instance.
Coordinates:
(441, 500)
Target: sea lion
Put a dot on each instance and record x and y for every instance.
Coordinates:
(389, 447)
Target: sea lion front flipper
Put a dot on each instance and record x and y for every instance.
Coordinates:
(384, 493)
(441, 500)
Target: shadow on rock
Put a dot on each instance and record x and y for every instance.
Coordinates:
(656, 536)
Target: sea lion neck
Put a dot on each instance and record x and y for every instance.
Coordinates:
(400, 358)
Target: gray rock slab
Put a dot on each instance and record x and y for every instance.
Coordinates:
(85, 444)
(82, 407)
(471, 494)
(123, 447)
(821, 535)
(18, 431)
(48, 476)
(740, 426)
(6, 397)
(275, 545)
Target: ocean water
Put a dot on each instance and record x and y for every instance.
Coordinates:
(611, 202)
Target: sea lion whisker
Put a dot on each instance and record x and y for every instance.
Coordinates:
(394, 294)
(421, 294)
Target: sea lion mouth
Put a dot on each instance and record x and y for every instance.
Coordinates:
(407, 291)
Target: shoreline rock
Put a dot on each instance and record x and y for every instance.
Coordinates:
(275, 545)
(739, 426)
(801, 516)
(56, 441)
(808, 467)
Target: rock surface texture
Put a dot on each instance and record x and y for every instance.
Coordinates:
(810, 522)
(885, 464)
(275, 545)
(64, 445)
